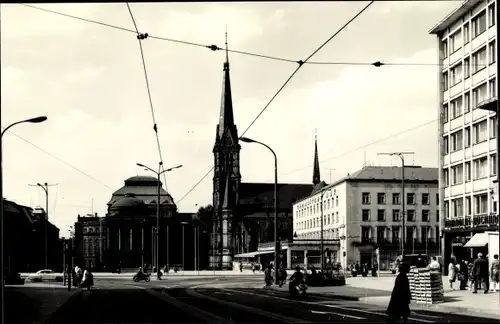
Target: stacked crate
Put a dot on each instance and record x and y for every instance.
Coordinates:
(426, 286)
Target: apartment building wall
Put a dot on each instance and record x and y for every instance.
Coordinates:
(376, 218)
(467, 135)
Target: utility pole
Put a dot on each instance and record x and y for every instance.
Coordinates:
(45, 188)
(403, 199)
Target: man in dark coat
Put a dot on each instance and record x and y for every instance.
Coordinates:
(481, 272)
(399, 305)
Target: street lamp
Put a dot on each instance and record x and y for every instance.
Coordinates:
(276, 252)
(403, 198)
(35, 120)
(158, 211)
(183, 223)
(492, 105)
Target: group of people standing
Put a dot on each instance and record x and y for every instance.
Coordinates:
(472, 274)
(82, 278)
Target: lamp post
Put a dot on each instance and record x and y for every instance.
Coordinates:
(321, 246)
(183, 223)
(403, 198)
(492, 105)
(276, 252)
(158, 210)
(34, 121)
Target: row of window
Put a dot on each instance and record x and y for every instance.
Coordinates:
(411, 233)
(91, 246)
(328, 219)
(463, 35)
(462, 70)
(396, 198)
(462, 104)
(461, 139)
(463, 206)
(313, 200)
(467, 171)
(411, 215)
(314, 208)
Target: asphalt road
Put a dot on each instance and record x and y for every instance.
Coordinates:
(178, 302)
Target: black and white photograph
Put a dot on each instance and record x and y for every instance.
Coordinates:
(249, 162)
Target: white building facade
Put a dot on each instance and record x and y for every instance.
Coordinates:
(364, 212)
(467, 40)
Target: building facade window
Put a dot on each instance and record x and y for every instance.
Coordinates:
(480, 131)
(366, 198)
(456, 74)
(479, 60)
(455, 41)
(410, 199)
(426, 215)
(365, 215)
(457, 141)
(466, 33)
(457, 207)
(410, 213)
(381, 215)
(426, 200)
(481, 204)
(492, 48)
(381, 198)
(480, 168)
(478, 24)
(466, 67)
(396, 215)
(396, 198)
(457, 174)
(467, 137)
(491, 14)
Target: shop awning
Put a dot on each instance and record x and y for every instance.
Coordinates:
(252, 254)
(478, 240)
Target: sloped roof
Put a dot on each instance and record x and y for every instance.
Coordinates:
(263, 193)
(318, 187)
(387, 173)
(412, 173)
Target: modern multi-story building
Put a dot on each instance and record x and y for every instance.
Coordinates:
(467, 40)
(364, 211)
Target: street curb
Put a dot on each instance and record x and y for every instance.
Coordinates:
(440, 308)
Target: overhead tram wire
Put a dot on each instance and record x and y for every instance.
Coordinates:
(217, 48)
(366, 145)
(141, 37)
(60, 160)
(300, 64)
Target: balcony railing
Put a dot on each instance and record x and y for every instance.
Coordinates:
(482, 220)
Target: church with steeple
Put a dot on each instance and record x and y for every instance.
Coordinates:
(243, 211)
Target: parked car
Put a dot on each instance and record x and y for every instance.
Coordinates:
(45, 275)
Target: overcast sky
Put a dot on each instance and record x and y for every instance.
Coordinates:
(88, 79)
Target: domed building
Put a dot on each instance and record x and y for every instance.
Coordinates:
(126, 236)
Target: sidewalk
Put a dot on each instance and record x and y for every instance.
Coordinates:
(376, 290)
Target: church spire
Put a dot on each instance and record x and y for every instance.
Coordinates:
(226, 118)
(316, 174)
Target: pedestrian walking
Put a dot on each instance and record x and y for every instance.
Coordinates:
(480, 271)
(463, 275)
(495, 274)
(452, 272)
(399, 305)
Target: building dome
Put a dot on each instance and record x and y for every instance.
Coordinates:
(129, 201)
